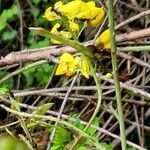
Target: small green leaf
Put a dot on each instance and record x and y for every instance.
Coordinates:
(81, 148)
(61, 136)
(8, 14)
(43, 73)
(3, 89)
(9, 83)
(40, 44)
(9, 35)
(36, 1)
(41, 110)
(29, 75)
(91, 131)
(78, 124)
(2, 23)
(36, 12)
(57, 147)
(106, 146)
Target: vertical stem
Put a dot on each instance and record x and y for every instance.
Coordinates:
(115, 75)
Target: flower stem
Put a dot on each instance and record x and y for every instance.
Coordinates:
(115, 75)
(99, 90)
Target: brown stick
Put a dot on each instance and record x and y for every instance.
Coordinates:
(133, 35)
(46, 52)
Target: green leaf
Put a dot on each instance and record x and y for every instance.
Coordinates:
(43, 73)
(61, 136)
(91, 131)
(78, 124)
(40, 44)
(36, 1)
(79, 47)
(57, 147)
(3, 89)
(9, 83)
(81, 148)
(7, 15)
(106, 146)
(29, 75)
(41, 20)
(9, 35)
(2, 23)
(41, 110)
(36, 12)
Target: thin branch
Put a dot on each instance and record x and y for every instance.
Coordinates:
(65, 123)
(60, 111)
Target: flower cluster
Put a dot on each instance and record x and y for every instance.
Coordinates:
(81, 10)
(69, 65)
(74, 10)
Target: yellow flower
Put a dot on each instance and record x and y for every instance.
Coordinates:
(104, 39)
(81, 10)
(65, 34)
(61, 33)
(83, 66)
(98, 18)
(58, 6)
(70, 9)
(109, 75)
(88, 11)
(69, 65)
(55, 28)
(74, 27)
(66, 65)
(50, 15)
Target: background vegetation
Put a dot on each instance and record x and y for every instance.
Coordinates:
(37, 91)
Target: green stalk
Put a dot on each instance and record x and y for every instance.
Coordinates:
(99, 89)
(115, 75)
(134, 48)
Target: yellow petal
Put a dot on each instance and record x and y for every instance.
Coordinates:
(55, 28)
(109, 75)
(104, 38)
(65, 34)
(61, 33)
(66, 65)
(74, 27)
(91, 4)
(55, 31)
(82, 65)
(98, 18)
(58, 6)
(66, 57)
(71, 69)
(72, 8)
(61, 69)
(50, 15)
(85, 68)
